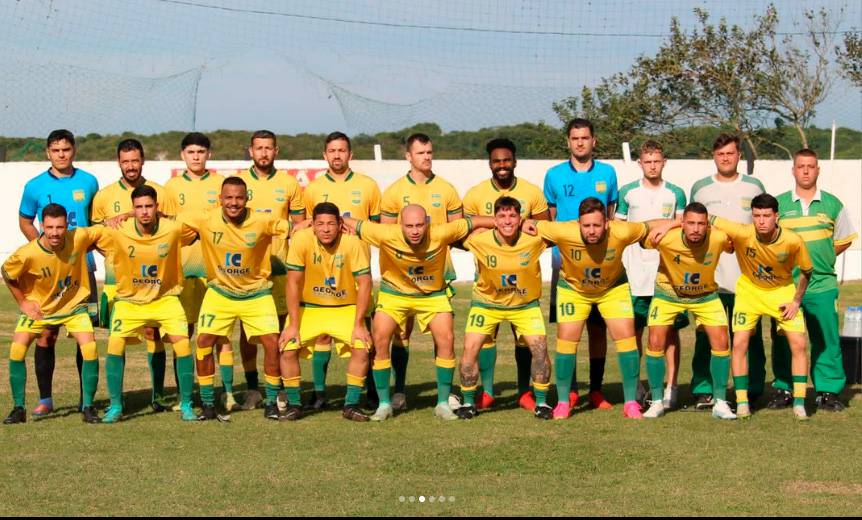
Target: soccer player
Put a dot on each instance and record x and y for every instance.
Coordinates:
(279, 194)
(50, 282)
(767, 256)
(357, 196)
(236, 251)
(648, 198)
(328, 292)
(823, 223)
(592, 274)
(726, 194)
(566, 186)
(74, 189)
(192, 194)
(507, 288)
(479, 200)
(146, 255)
(109, 202)
(686, 282)
(442, 204)
(413, 267)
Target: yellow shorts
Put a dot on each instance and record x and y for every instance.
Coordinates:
(194, 289)
(709, 313)
(106, 304)
(615, 303)
(219, 313)
(278, 294)
(166, 313)
(77, 322)
(335, 322)
(425, 308)
(752, 302)
(528, 321)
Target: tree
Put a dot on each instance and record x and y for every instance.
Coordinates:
(850, 58)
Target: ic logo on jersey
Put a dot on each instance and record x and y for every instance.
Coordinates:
(149, 271)
(764, 272)
(592, 274)
(233, 259)
(329, 289)
(64, 285)
(508, 280)
(329, 281)
(416, 271)
(691, 278)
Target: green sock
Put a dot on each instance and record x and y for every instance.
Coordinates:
(565, 369)
(541, 395)
(630, 368)
(381, 382)
(400, 356)
(800, 387)
(719, 369)
(293, 395)
(352, 397)
(656, 368)
(185, 366)
(207, 394)
(226, 372)
(319, 363)
(445, 376)
(18, 380)
(523, 362)
(469, 396)
(157, 361)
(89, 381)
(114, 368)
(271, 390)
(487, 360)
(740, 385)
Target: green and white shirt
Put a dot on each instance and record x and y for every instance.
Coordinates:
(730, 200)
(823, 224)
(640, 203)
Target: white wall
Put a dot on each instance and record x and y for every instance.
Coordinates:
(842, 178)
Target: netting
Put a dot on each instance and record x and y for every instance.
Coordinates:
(115, 65)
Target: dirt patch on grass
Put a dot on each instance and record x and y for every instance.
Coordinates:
(801, 487)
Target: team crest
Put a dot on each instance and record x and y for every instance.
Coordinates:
(745, 202)
(162, 250)
(782, 257)
(823, 218)
(357, 197)
(601, 186)
(339, 261)
(666, 210)
(435, 200)
(525, 259)
(78, 195)
(707, 259)
(251, 239)
(610, 254)
(280, 199)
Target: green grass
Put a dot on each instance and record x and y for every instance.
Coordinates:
(504, 462)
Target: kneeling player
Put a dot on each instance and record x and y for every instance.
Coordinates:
(686, 282)
(328, 290)
(49, 280)
(146, 253)
(507, 288)
(767, 255)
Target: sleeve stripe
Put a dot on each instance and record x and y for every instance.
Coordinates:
(454, 211)
(362, 272)
(297, 211)
(847, 240)
(390, 215)
(22, 214)
(374, 218)
(292, 267)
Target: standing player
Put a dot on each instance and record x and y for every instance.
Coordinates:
(328, 292)
(480, 201)
(442, 204)
(767, 255)
(73, 189)
(49, 280)
(592, 274)
(357, 196)
(109, 202)
(823, 223)
(686, 283)
(192, 195)
(726, 194)
(566, 186)
(236, 250)
(507, 288)
(278, 194)
(649, 198)
(413, 266)
(146, 255)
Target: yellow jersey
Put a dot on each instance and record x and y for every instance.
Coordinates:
(481, 198)
(116, 199)
(413, 271)
(507, 277)
(592, 268)
(438, 197)
(330, 272)
(357, 196)
(58, 281)
(687, 273)
(149, 266)
(188, 195)
(237, 257)
(767, 265)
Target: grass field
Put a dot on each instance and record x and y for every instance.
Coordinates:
(504, 462)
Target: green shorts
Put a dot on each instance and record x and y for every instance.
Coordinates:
(641, 307)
